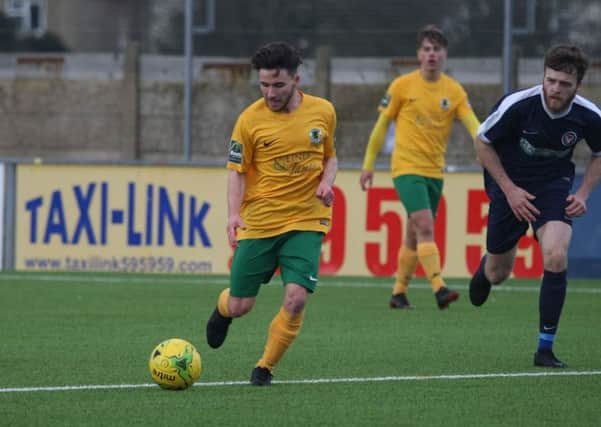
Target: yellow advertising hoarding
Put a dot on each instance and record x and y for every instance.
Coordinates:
(121, 218)
(172, 219)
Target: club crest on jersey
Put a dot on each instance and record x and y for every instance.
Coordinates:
(315, 136)
(444, 104)
(569, 138)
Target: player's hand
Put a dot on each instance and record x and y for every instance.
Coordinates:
(234, 222)
(576, 206)
(520, 203)
(366, 179)
(325, 194)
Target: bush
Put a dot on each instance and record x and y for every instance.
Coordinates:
(10, 42)
(48, 42)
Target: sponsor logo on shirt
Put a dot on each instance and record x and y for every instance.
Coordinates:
(533, 151)
(296, 164)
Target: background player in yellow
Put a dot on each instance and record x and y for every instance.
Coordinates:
(423, 104)
(282, 164)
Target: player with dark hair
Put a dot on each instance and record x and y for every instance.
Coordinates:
(282, 164)
(526, 147)
(423, 104)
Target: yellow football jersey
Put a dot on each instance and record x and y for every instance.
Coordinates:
(424, 112)
(282, 156)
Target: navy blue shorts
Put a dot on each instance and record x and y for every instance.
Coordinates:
(504, 229)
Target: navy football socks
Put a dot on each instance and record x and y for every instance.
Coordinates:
(551, 299)
(479, 285)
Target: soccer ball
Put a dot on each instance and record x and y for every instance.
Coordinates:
(174, 364)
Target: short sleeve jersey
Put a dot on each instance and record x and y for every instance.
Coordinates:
(534, 144)
(424, 112)
(283, 157)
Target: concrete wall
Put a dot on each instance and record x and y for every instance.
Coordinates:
(100, 25)
(120, 109)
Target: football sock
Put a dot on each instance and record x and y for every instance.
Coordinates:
(282, 331)
(545, 342)
(429, 257)
(551, 299)
(479, 276)
(405, 270)
(222, 302)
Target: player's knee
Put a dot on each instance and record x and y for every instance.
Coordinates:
(294, 304)
(295, 299)
(424, 230)
(240, 306)
(555, 259)
(422, 223)
(498, 277)
(497, 273)
(294, 307)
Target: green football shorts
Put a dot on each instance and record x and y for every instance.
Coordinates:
(296, 253)
(418, 192)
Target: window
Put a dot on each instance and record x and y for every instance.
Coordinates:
(34, 17)
(30, 15)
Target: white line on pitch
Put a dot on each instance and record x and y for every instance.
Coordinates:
(317, 381)
(223, 281)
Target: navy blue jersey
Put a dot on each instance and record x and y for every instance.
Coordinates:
(535, 144)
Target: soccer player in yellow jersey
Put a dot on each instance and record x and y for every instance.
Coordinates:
(423, 105)
(282, 164)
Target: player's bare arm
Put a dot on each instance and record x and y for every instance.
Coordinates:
(324, 189)
(577, 201)
(235, 194)
(518, 199)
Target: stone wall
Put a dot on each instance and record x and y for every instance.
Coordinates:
(127, 119)
(87, 120)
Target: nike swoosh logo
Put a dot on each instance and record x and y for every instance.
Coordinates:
(268, 143)
(313, 279)
(529, 132)
(548, 328)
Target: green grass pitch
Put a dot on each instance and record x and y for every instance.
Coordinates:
(74, 351)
